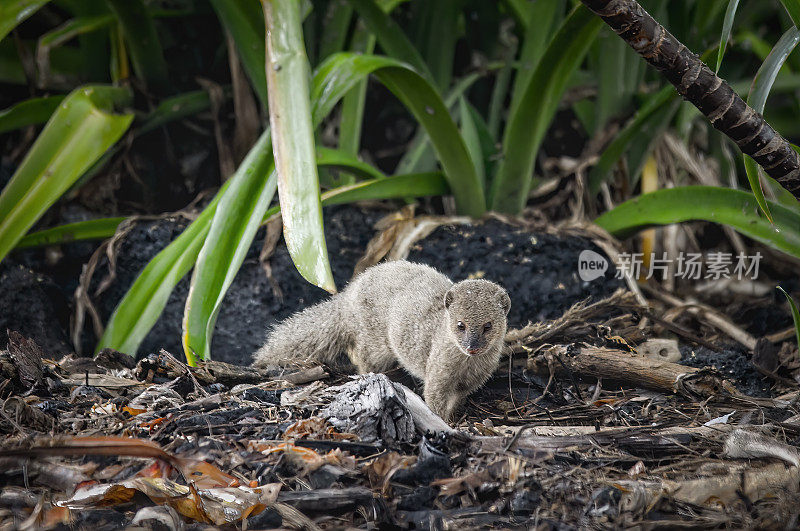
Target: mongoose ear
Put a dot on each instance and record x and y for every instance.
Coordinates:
(505, 301)
(448, 299)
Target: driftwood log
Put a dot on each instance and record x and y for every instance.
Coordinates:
(631, 369)
(699, 85)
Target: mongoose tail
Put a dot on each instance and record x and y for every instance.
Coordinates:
(319, 333)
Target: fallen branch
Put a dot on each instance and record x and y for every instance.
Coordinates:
(633, 369)
(698, 84)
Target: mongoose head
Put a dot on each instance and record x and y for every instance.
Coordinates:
(476, 313)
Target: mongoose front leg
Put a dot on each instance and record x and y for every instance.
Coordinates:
(443, 398)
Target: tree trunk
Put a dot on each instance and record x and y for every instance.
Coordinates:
(698, 84)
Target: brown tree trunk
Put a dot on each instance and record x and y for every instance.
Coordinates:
(698, 84)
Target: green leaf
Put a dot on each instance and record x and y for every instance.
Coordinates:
(768, 71)
(497, 102)
(757, 99)
(353, 103)
(615, 66)
(437, 34)
(67, 31)
(12, 12)
(795, 314)
(528, 125)
(236, 220)
(734, 208)
(175, 108)
(293, 142)
(727, 25)
(542, 21)
(521, 11)
(390, 37)
(29, 112)
(93, 229)
(396, 187)
(614, 151)
(336, 75)
(11, 70)
(245, 23)
(340, 159)
(142, 42)
(793, 8)
(77, 134)
(469, 132)
(420, 151)
(139, 309)
(336, 22)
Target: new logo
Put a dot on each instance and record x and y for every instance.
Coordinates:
(591, 265)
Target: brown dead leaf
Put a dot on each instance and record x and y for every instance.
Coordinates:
(450, 486)
(381, 470)
(310, 428)
(216, 506)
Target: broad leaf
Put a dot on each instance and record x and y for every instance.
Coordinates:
(78, 133)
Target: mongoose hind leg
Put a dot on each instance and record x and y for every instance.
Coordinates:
(366, 360)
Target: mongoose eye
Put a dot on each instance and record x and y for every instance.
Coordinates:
(461, 326)
(487, 327)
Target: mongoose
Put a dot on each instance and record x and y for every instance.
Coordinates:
(448, 335)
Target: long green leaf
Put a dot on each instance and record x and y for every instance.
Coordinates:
(391, 37)
(142, 42)
(67, 31)
(437, 34)
(734, 208)
(727, 25)
(235, 222)
(497, 101)
(613, 152)
(521, 11)
(93, 229)
(419, 156)
(175, 108)
(340, 72)
(793, 8)
(293, 142)
(538, 30)
(795, 314)
(762, 84)
(336, 22)
(245, 23)
(527, 126)
(12, 12)
(29, 112)
(340, 159)
(469, 132)
(139, 309)
(76, 135)
(396, 187)
(354, 102)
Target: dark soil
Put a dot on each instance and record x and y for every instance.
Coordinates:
(33, 305)
(734, 363)
(538, 270)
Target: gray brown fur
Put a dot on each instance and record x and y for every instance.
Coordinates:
(407, 314)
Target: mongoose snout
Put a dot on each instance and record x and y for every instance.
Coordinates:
(477, 311)
(448, 335)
